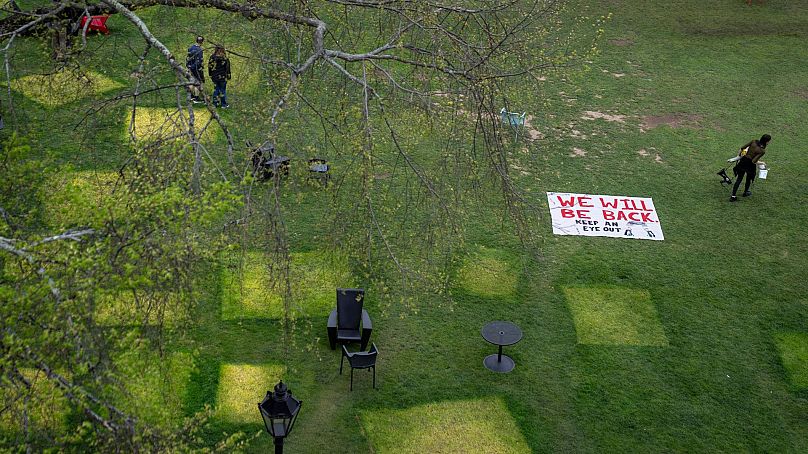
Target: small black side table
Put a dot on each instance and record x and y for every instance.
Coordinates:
(500, 333)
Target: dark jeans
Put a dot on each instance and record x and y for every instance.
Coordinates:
(197, 73)
(199, 76)
(220, 89)
(744, 167)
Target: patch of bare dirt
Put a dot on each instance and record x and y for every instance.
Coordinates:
(802, 93)
(615, 75)
(621, 42)
(672, 120)
(577, 134)
(590, 115)
(532, 132)
(645, 153)
(521, 170)
(577, 153)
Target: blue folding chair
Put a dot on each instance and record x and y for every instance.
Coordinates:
(513, 119)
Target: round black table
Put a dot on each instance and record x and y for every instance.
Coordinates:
(500, 333)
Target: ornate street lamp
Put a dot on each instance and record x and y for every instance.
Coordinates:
(279, 410)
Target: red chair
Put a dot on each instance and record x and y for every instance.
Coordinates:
(97, 23)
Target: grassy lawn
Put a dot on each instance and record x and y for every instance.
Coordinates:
(695, 343)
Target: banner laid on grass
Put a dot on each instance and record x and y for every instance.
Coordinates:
(604, 215)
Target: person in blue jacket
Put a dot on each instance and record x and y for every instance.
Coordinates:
(194, 62)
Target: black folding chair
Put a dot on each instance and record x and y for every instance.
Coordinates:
(360, 360)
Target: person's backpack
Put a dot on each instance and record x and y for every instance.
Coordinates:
(194, 59)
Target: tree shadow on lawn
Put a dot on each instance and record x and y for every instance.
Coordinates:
(246, 362)
(712, 382)
(237, 368)
(536, 395)
(422, 350)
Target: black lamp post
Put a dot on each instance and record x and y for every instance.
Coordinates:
(279, 410)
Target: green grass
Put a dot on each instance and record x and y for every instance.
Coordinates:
(156, 386)
(154, 123)
(614, 316)
(723, 294)
(479, 425)
(489, 273)
(63, 87)
(793, 349)
(115, 309)
(236, 400)
(49, 412)
(249, 291)
(78, 198)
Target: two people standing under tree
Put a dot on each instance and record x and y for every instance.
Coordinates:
(194, 63)
(219, 71)
(747, 159)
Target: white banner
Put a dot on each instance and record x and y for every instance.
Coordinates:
(604, 215)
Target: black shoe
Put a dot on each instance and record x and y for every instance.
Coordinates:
(732, 198)
(747, 193)
(225, 106)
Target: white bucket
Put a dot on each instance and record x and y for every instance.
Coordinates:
(763, 173)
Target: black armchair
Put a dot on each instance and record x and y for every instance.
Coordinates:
(344, 321)
(360, 360)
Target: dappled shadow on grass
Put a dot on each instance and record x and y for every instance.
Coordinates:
(437, 355)
(157, 384)
(654, 397)
(258, 440)
(249, 344)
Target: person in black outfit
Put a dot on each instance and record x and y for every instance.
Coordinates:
(194, 63)
(747, 159)
(219, 70)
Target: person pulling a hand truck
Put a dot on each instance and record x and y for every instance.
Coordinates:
(746, 165)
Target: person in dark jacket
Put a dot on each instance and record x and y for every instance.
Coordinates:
(747, 159)
(219, 71)
(195, 62)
